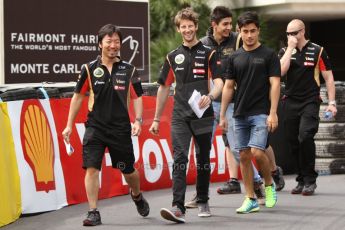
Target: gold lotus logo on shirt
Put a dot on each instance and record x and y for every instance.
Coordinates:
(227, 51)
(38, 145)
(98, 72)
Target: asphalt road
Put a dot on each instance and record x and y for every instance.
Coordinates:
(324, 210)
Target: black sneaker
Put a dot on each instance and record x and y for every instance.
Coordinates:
(93, 218)
(204, 210)
(230, 187)
(298, 189)
(259, 192)
(309, 189)
(143, 207)
(278, 178)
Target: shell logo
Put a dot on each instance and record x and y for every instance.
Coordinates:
(38, 145)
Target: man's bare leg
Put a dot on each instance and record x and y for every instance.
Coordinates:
(92, 186)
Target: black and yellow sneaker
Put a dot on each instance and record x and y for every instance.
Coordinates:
(309, 189)
(298, 189)
(278, 178)
(93, 218)
(143, 207)
(230, 187)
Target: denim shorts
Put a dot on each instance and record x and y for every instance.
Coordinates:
(251, 132)
(230, 134)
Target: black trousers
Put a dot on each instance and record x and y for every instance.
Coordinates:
(301, 123)
(182, 131)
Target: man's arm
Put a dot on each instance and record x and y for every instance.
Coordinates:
(227, 95)
(75, 106)
(272, 119)
(162, 97)
(206, 100)
(138, 107)
(329, 81)
(215, 92)
(217, 89)
(138, 110)
(285, 59)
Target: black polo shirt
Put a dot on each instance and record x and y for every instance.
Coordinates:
(251, 70)
(109, 93)
(303, 76)
(191, 69)
(223, 50)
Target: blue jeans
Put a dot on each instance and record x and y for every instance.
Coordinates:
(230, 133)
(251, 132)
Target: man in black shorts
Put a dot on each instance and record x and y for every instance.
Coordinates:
(109, 81)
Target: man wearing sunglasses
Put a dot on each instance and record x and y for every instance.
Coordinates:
(301, 63)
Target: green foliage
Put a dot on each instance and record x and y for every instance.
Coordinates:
(159, 48)
(163, 34)
(164, 37)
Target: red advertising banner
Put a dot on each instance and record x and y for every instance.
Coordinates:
(50, 178)
(153, 154)
(110, 181)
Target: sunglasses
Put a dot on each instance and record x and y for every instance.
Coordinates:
(293, 33)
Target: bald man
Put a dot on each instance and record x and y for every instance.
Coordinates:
(301, 62)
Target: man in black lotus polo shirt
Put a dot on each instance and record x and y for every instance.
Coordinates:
(192, 66)
(301, 62)
(110, 81)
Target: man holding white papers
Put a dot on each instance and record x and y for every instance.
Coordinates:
(192, 66)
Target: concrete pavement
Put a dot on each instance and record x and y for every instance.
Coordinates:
(324, 210)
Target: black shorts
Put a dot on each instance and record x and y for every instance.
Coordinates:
(119, 145)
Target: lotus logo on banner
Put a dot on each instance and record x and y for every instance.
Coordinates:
(38, 145)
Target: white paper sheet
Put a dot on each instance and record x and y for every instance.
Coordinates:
(69, 148)
(194, 104)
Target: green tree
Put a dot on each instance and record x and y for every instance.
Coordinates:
(164, 37)
(163, 34)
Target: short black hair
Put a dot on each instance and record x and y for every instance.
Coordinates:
(220, 12)
(108, 29)
(248, 17)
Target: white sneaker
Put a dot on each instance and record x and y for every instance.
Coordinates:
(204, 210)
(192, 203)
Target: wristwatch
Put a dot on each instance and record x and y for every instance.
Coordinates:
(140, 119)
(334, 103)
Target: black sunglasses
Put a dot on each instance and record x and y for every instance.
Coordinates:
(293, 33)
